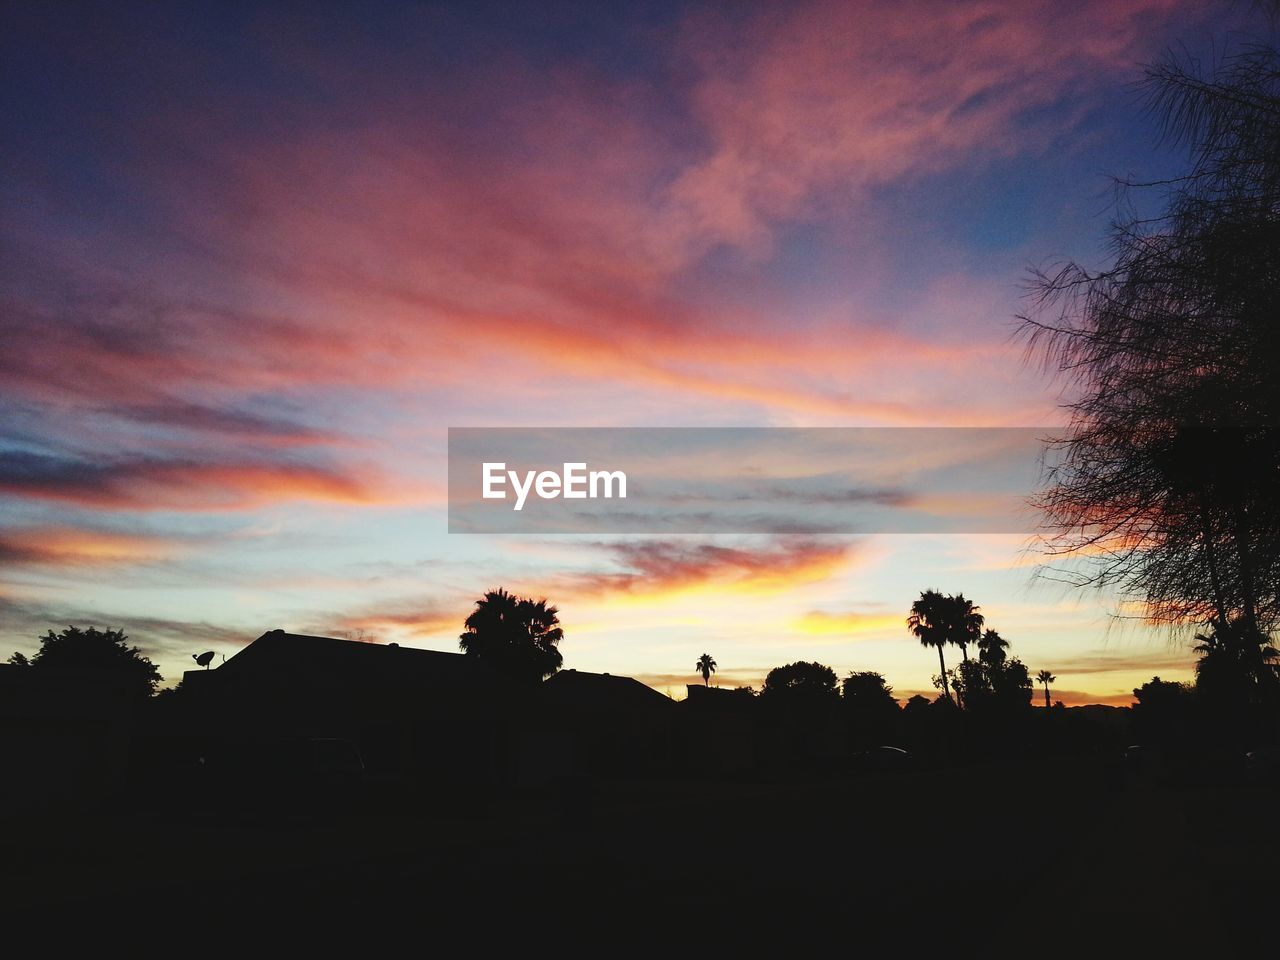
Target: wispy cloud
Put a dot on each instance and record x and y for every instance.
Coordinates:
(825, 97)
(662, 566)
(1123, 661)
(62, 546)
(201, 313)
(168, 642)
(149, 483)
(401, 618)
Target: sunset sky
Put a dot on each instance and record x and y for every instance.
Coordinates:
(258, 259)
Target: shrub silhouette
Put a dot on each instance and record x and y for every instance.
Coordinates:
(79, 655)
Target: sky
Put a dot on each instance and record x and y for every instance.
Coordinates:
(257, 259)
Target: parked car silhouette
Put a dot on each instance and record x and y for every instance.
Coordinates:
(881, 759)
(1262, 765)
(1201, 763)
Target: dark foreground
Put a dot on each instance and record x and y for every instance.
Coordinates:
(1078, 854)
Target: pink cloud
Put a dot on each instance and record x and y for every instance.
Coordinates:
(529, 237)
(842, 96)
(151, 484)
(653, 567)
(64, 546)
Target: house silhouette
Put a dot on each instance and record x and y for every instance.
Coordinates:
(290, 699)
(405, 712)
(608, 725)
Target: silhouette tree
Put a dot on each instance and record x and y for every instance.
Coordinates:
(1238, 673)
(917, 702)
(927, 623)
(800, 682)
(1012, 684)
(706, 666)
(937, 620)
(1163, 486)
(1164, 710)
(1045, 677)
(963, 622)
(866, 687)
(992, 648)
(518, 637)
(81, 655)
(800, 704)
(870, 709)
(1002, 686)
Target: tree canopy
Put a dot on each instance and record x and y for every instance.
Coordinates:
(1165, 485)
(866, 686)
(937, 620)
(870, 709)
(999, 685)
(517, 636)
(800, 682)
(81, 654)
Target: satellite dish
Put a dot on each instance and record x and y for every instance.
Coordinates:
(203, 659)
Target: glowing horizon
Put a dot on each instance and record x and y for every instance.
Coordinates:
(257, 264)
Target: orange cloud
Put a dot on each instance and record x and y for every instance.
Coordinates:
(403, 620)
(555, 258)
(157, 484)
(434, 246)
(654, 567)
(69, 546)
(1125, 661)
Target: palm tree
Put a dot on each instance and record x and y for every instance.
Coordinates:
(964, 623)
(992, 647)
(706, 666)
(517, 636)
(927, 624)
(1237, 663)
(1045, 677)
